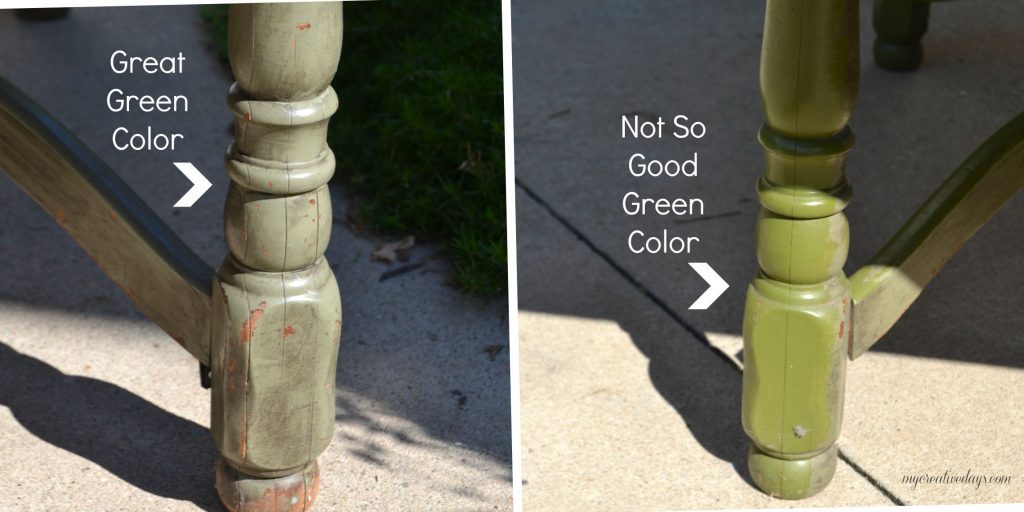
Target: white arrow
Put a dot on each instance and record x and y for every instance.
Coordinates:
(716, 286)
(199, 184)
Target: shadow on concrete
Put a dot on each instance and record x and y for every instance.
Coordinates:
(714, 416)
(684, 373)
(138, 442)
(442, 365)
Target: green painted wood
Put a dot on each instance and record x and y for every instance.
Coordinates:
(162, 276)
(893, 279)
(899, 26)
(795, 327)
(291, 493)
(277, 311)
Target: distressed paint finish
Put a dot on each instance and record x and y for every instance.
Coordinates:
(797, 318)
(889, 284)
(277, 311)
(126, 239)
(293, 493)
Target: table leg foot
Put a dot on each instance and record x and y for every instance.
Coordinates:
(792, 479)
(240, 492)
(899, 27)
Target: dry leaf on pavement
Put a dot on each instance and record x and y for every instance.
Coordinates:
(393, 251)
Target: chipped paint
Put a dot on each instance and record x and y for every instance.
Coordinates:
(230, 371)
(293, 493)
(248, 328)
(274, 377)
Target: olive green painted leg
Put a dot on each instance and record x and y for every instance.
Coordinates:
(797, 318)
(899, 27)
(277, 312)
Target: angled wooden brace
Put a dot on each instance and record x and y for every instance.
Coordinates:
(895, 277)
(126, 239)
(889, 284)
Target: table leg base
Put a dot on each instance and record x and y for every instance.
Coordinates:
(240, 492)
(792, 479)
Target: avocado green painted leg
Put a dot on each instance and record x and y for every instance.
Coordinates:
(797, 318)
(277, 312)
(899, 27)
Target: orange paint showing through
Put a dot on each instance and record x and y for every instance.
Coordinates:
(112, 215)
(312, 201)
(288, 331)
(247, 116)
(286, 494)
(303, 26)
(62, 218)
(842, 328)
(249, 326)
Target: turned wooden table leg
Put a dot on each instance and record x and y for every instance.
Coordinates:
(797, 319)
(277, 312)
(899, 27)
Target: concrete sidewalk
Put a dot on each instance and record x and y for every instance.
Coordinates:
(99, 410)
(629, 400)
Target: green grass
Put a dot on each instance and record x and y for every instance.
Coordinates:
(420, 131)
